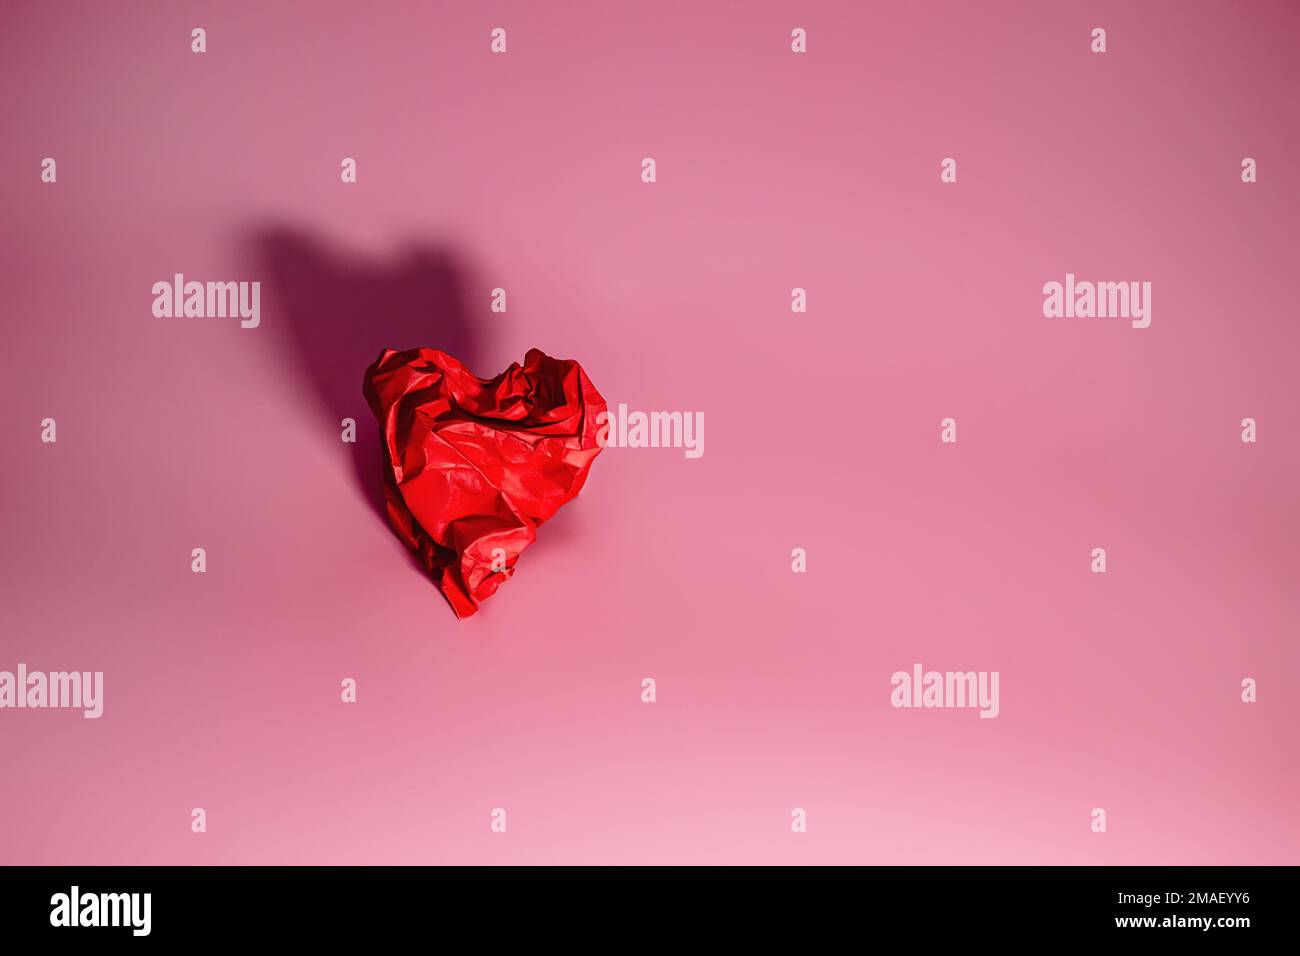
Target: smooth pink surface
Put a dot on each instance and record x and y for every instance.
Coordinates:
(774, 171)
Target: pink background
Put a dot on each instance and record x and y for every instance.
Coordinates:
(522, 171)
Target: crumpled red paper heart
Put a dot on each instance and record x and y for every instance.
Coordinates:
(472, 466)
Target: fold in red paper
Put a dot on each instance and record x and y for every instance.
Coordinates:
(472, 466)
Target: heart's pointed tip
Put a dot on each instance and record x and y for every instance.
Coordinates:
(462, 615)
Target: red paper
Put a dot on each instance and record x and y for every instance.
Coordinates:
(472, 466)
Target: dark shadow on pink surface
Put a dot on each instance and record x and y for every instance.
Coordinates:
(338, 310)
